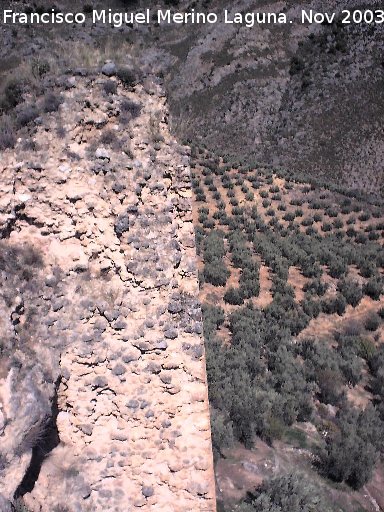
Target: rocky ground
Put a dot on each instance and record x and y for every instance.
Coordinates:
(103, 391)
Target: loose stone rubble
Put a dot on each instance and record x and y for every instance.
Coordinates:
(116, 331)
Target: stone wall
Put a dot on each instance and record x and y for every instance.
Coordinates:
(104, 393)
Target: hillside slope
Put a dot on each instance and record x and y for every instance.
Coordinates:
(308, 98)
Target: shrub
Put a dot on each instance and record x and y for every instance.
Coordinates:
(334, 305)
(316, 287)
(372, 322)
(311, 308)
(338, 224)
(131, 108)
(287, 493)
(110, 87)
(87, 9)
(108, 137)
(233, 296)
(40, 68)
(26, 115)
(326, 227)
(216, 273)
(298, 212)
(127, 76)
(351, 291)
(307, 222)
(222, 432)
(352, 450)
(7, 135)
(373, 236)
(331, 212)
(361, 238)
(351, 232)
(337, 268)
(373, 288)
(364, 216)
(289, 216)
(330, 385)
(12, 94)
(52, 102)
(367, 268)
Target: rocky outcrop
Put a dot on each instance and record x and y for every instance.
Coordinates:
(103, 399)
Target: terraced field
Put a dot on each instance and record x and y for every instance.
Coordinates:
(291, 280)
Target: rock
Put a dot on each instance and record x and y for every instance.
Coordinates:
(131, 356)
(5, 505)
(133, 404)
(87, 429)
(109, 69)
(147, 491)
(175, 307)
(119, 369)
(103, 154)
(171, 334)
(106, 300)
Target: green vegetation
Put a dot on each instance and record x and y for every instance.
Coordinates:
(269, 377)
(292, 492)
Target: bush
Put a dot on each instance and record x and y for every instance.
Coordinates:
(338, 224)
(367, 268)
(40, 68)
(352, 450)
(373, 288)
(110, 87)
(287, 493)
(364, 216)
(337, 268)
(233, 296)
(87, 9)
(52, 102)
(334, 305)
(316, 287)
(26, 115)
(127, 76)
(12, 94)
(326, 227)
(289, 216)
(331, 212)
(372, 322)
(222, 432)
(330, 384)
(216, 273)
(351, 291)
(108, 138)
(7, 135)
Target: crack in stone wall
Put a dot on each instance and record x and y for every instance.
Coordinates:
(122, 324)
